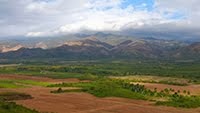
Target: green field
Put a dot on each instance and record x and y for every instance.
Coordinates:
(20, 83)
(78, 69)
(155, 79)
(11, 107)
(123, 88)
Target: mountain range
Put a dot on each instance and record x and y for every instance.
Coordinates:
(99, 46)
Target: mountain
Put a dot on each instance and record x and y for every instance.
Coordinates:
(147, 48)
(99, 45)
(7, 48)
(90, 41)
(23, 53)
(138, 48)
(53, 42)
(41, 45)
(87, 48)
(191, 51)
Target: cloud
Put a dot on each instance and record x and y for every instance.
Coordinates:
(36, 18)
(35, 34)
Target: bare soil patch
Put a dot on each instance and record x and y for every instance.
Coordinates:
(44, 101)
(35, 78)
(86, 103)
(194, 89)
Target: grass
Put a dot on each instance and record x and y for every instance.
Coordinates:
(182, 101)
(78, 69)
(103, 88)
(155, 79)
(9, 84)
(20, 83)
(183, 73)
(122, 88)
(31, 82)
(9, 96)
(174, 83)
(11, 107)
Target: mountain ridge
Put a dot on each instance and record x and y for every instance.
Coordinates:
(93, 48)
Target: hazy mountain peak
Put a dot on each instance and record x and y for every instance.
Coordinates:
(92, 38)
(89, 41)
(195, 46)
(41, 45)
(7, 49)
(126, 42)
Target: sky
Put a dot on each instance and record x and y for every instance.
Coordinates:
(43, 18)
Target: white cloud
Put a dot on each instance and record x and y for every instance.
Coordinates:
(53, 7)
(53, 17)
(35, 34)
(112, 19)
(101, 4)
(190, 8)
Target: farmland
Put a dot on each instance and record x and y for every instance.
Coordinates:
(115, 84)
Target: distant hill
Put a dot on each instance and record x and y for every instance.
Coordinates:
(191, 51)
(101, 45)
(87, 48)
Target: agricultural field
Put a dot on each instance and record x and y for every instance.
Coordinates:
(106, 67)
(90, 87)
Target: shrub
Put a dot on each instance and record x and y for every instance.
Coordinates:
(182, 101)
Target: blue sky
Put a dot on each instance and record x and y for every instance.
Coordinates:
(136, 3)
(149, 5)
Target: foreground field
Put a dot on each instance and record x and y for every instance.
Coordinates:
(79, 102)
(86, 103)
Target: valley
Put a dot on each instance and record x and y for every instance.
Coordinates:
(101, 86)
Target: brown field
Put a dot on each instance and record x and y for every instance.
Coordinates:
(145, 80)
(42, 79)
(194, 89)
(44, 101)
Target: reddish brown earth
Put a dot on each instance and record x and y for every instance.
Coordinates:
(35, 78)
(194, 89)
(44, 101)
(86, 103)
